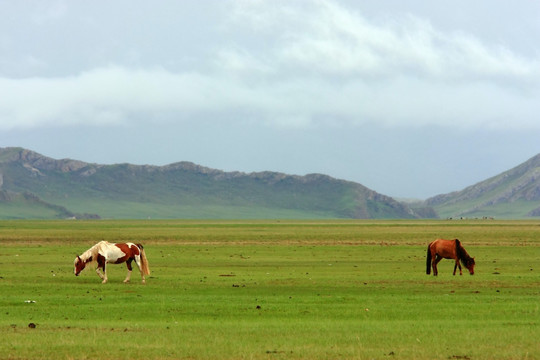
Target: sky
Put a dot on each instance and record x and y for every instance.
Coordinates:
(409, 98)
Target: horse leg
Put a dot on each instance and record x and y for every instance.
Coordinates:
(101, 265)
(99, 273)
(104, 275)
(436, 260)
(128, 277)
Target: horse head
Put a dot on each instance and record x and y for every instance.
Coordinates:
(78, 265)
(470, 265)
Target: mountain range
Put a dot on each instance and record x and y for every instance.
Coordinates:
(39, 187)
(36, 186)
(512, 194)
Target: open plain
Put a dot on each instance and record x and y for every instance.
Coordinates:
(271, 290)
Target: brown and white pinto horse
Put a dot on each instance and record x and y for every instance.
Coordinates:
(448, 249)
(106, 253)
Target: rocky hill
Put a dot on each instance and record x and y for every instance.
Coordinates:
(512, 194)
(179, 190)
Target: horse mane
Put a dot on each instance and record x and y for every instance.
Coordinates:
(462, 253)
(91, 255)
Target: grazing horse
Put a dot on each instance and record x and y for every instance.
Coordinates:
(106, 253)
(448, 249)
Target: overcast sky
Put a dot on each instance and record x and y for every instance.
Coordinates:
(409, 98)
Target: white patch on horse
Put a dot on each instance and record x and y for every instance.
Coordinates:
(112, 253)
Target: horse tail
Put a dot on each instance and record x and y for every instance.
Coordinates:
(428, 260)
(144, 261)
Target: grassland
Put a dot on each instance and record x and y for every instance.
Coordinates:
(271, 290)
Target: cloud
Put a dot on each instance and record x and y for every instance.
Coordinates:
(331, 39)
(299, 64)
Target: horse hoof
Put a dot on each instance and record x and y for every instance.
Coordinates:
(126, 281)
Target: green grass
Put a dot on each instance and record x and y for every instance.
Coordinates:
(271, 290)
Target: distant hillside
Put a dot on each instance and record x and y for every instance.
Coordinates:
(179, 190)
(512, 194)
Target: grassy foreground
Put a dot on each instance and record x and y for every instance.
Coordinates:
(271, 290)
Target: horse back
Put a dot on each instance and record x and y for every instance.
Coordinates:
(445, 248)
(130, 249)
(119, 252)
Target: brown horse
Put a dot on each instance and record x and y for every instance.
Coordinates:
(448, 249)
